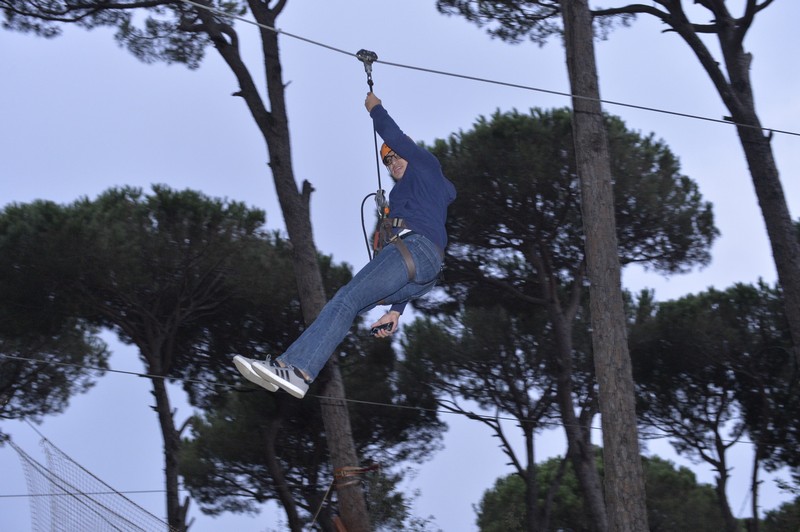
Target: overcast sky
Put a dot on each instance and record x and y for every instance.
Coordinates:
(79, 115)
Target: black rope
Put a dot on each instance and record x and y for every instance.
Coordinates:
(367, 57)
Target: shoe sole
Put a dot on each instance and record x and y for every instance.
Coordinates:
(246, 369)
(276, 379)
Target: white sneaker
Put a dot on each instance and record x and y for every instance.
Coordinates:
(245, 367)
(287, 378)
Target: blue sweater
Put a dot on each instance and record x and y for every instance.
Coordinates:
(422, 195)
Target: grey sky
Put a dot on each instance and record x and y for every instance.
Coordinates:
(79, 115)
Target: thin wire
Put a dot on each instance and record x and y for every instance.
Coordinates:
(497, 82)
(322, 502)
(334, 401)
(180, 489)
(122, 371)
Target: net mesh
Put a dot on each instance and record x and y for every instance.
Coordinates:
(65, 497)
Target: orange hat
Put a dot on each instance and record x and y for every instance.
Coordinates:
(385, 150)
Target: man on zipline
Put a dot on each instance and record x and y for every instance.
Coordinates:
(413, 238)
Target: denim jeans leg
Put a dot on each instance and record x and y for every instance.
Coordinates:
(379, 282)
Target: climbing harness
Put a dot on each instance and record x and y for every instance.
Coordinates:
(385, 236)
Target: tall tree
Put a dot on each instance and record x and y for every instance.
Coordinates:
(516, 259)
(684, 395)
(713, 367)
(767, 380)
(624, 481)
(176, 31)
(190, 281)
(730, 75)
(155, 270)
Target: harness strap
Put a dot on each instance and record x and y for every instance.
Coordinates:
(386, 238)
(406, 254)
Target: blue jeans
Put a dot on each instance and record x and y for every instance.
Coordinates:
(383, 281)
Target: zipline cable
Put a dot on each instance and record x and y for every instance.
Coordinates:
(724, 120)
(332, 401)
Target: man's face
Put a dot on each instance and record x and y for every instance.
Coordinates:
(396, 164)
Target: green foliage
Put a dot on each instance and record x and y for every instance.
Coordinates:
(249, 447)
(512, 21)
(32, 238)
(47, 353)
(519, 197)
(192, 280)
(675, 501)
(167, 32)
(785, 518)
(509, 21)
(231, 462)
(568, 511)
(502, 508)
(486, 355)
(373, 377)
(684, 385)
(40, 373)
(704, 359)
(516, 254)
(512, 332)
(159, 270)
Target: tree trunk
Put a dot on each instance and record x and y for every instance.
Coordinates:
(274, 126)
(336, 419)
(754, 485)
(176, 512)
(276, 472)
(721, 487)
(531, 483)
(579, 446)
(624, 478)
(775, 211)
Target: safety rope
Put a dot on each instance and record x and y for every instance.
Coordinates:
(368, 57)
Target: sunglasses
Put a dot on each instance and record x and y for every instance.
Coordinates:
(390, 158)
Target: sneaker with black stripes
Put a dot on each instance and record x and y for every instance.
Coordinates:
(245, 367)
(287, 377)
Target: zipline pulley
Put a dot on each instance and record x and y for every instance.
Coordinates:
(367, 57)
